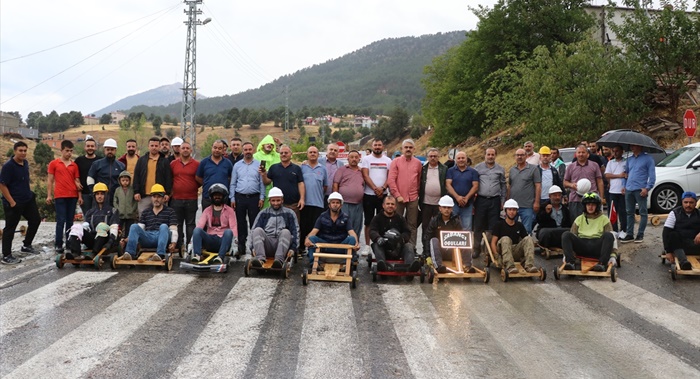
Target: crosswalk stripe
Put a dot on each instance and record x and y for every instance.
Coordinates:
(25, 274)
(651, 307)
(83, 348)
(247, 305)
(640, 355)
(22, 310)
(329, 338)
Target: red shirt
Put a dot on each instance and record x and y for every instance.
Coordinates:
(64, 178)
(185, 187)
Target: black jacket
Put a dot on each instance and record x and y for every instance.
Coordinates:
(381, 223)
(436, 225)
(556, 178)
(545, 220)
(442, 175)
(164, 175)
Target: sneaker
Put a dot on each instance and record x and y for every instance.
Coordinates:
(627, 239)
(10, 260)
(532, 269)
(217, 260)
(598, 268)
(621, 235)
(639, 239)
(476, 254)
(28, 250)
(69, 256)
(685, 265)
(155, 258)
(569, 266)
(441, 269)
(277, 264)
(58, 250)
(195, 259)
(415, 266)
(126, 257)
(513, 270)
(256, 263)
(616, 234)
(365, 251)
(469, 269)
(381, 266)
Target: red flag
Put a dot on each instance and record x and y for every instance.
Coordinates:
(613, 213)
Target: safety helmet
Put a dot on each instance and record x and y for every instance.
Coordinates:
(335, 196)
(157, 189)
(591, 198)
(545, 150)
(554, 189)
(218, 188)
(510, 203)
(100, 187)
(446, 201)
(583, 186)
(275, 192)
(177, 141)
(110, 142)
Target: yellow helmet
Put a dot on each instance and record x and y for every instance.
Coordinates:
(545, 150)
(157, 189)
(100, 187)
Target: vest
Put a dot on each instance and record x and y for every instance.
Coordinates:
(687, 226)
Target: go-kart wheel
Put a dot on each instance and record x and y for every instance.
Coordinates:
(373, 271)
(613, 274)
(353, 283)
(556, 273)
(409, 278)
(113, 261)
(543, 274)
(674, 272)
(618, 260)
(487, 276)
(422, 274)
(369, 262)
(97, 262)
(246, 267)
(304, 278)
(59, 261)
(504, 275)
(284, 273)
(431, 276)
(663, 259)
(294, 257)
(168, 262)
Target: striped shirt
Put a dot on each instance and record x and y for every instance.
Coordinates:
(153, 221)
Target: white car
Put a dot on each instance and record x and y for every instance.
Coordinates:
(675, 174)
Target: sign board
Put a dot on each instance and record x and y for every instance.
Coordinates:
(690, 123)
(341, 147)
(455, 239)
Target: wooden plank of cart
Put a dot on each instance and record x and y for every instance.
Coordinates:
(695, 270)
(332, 272)
(456, 240)
(491, 258)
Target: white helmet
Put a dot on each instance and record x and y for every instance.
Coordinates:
(335, 196)
(446, 201)
(510, 203)
(177, 141)
(275, 192)
(583, 186)
(110, 142)
(554, 189)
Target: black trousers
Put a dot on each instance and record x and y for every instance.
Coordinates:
(246, 206)
(599, 248)
(90, 240)
(487, 212)
(404, 252)
(30, 212)
(681, 247)
(427, 212)
(185, 211)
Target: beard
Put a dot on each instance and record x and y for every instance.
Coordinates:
(217, 201)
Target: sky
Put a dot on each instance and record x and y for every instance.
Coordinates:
(84, 55)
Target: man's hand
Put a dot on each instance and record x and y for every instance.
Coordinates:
(48, 199)
(400, 199)
(643, 192)
(233, 205)
(301, 204)
(548, 208)
(381, 241)
(697, 239)
(171, 247)
(378, 190)
(261, 203)
(462, 201)
(307, 242)
(137, 197)
(536, 206)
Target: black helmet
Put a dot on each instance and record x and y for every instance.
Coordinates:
(218, 188)
(393, 238)
(592, 198)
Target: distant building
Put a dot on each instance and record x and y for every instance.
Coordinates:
(117, 117)
(11, 124)
(91, 119)
(365, 122)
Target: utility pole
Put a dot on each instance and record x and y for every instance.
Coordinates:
(188, 129)
(286, 112)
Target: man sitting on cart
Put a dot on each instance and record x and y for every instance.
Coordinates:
(332, 226)
(100, 213)
(681, 235)
(553, 219)
(275, 231)
(156, 228)
(389, 233)
(510, 241)
(444, 220)
(216, 227)
(589, 236)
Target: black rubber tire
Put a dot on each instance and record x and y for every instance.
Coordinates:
(556, 273)
(504, 275)
(674, 274)
(246, 268)
(59, 261)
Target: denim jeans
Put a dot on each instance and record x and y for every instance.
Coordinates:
(152, 238)
(65, 212)
(527, 217)
(633, 198)
(211, 242)
(465, 215)
(349, 240)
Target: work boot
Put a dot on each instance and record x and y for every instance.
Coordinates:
(441, 269)
(381, 266)
(598, 268)
(277, 264)
(415, 266)
(685, 265)
(569, 266)
(126, 257)
(532, 269)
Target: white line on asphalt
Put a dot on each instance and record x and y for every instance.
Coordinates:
(329, 338)
(232, 332)
(427, 343)
(89, 344)
(625, 350)
(24, 309)
(653, 308)
(25, 274)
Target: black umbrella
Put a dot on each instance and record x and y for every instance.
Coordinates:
(625, 138)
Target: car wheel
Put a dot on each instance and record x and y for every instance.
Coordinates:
(665, 198)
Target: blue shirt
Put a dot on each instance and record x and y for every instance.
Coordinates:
(211, 173)
(16, 178)
(287, 179)
(314, 180)
(333, 232)
(245, 179)
(462, 180)
(641, 172)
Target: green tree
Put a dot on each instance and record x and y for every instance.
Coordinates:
(228, 124)
(238, 124)
(666, 42)
(171, 133)
(167, 119)
(157, 121)
(42, 156)
(206, 148)
(106, 118)
(125, 124)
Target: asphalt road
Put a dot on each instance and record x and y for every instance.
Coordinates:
(145, 322)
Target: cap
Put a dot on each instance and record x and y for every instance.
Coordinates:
(689, 194)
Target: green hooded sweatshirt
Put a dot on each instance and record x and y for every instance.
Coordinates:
(270, 159)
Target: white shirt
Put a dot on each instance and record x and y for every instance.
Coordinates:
(378, 170)
(615, 167)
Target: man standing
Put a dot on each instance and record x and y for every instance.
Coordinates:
(432, 188)
(165, 149)
(315, 184)
(63, 189)
(375, 170)
(184, 195)
(348, 181)
(331, 163)
(176, 144)
(236, 150)
(524, 187)
(404, 182)
(491, 196)
(462, 184)
(289, 179)
(549, 175)
(106, 170)
(84, 163)
(247, 193)
(151, 169)
(213, 169)
(616, 175)
(157, 227)
(274, 232)
(267, 154)
(557, 162)
(131, 156)
(583, 168)
(18, 201)
(530, 156)
(641, 177)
